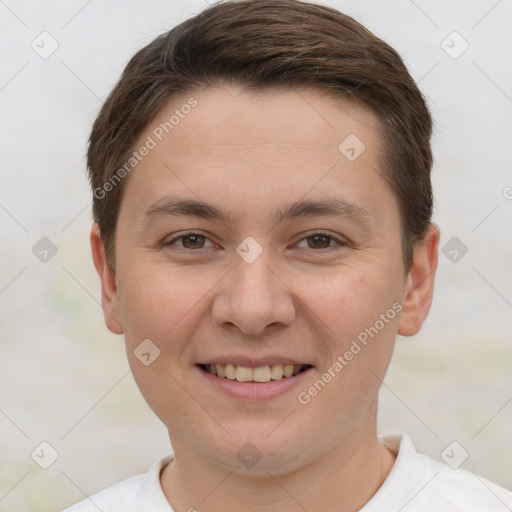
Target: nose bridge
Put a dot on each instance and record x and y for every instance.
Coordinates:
(253, 297)
(254, 281)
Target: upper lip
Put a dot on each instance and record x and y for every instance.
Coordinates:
(252, 362)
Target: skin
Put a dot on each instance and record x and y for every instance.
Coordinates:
(306, 298)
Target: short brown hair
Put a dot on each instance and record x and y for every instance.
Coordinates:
(265, 43)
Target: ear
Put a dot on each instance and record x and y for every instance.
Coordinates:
(109, 297)
(419, 286)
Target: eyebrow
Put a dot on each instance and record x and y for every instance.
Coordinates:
(330, 206)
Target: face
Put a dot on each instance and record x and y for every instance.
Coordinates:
(258, 254)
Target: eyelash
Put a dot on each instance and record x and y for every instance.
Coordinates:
(339, 241)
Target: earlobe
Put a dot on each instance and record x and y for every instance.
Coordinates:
(419, 286)
(109, 295)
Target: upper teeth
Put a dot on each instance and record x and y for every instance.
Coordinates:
(258, 374)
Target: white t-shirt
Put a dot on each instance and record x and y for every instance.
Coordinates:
(416, 483)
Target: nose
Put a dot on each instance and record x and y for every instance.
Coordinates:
(254, 298)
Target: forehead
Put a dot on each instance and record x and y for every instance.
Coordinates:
(269, 146)
(301, 117)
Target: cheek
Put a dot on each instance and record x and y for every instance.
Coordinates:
(359, 315)
(157, 303)
(164, 305)
(351, 300)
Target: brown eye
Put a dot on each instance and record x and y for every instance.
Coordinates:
(319, 241)
(193, 241)
(190, 241)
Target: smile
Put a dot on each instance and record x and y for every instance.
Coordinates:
(258, 374)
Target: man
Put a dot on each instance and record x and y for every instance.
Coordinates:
(262, 203)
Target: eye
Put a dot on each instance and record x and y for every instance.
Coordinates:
(316, 240)
(321, 240)
(190, 241)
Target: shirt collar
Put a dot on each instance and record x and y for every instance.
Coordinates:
(407, 478)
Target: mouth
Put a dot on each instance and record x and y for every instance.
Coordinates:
(260, 374)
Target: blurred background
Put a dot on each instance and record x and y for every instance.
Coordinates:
(64, 379)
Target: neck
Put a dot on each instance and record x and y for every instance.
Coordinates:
(342, 480)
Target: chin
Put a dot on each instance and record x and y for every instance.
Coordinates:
(259, 454)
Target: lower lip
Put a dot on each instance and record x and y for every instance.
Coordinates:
(254, 391)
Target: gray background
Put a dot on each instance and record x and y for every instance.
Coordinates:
(64, 378)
